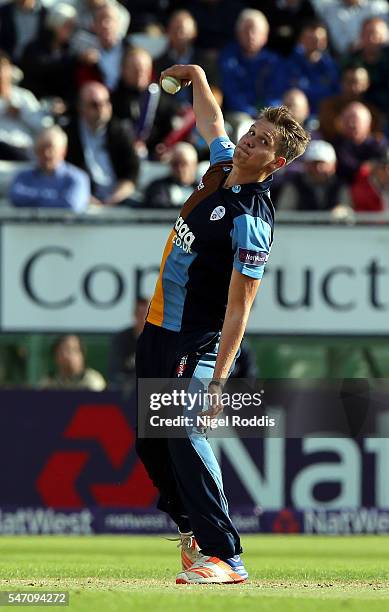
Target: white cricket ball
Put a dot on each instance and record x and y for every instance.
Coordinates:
(171, 85)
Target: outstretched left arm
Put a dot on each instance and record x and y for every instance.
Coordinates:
(242, 292)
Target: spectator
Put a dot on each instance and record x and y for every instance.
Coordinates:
(141, 101)
(344, 19)
(297, 102)
(355, 143)
(87, 8)
(181, 32)
(103, 146)
(310, 66)
(370, 188)
(247, 68)
(374, 56)
(317, 187)
(21, 116)
(53, 183)
(49, 66)
(121, 360)
(21, 21)
(354, 84)
(102, 54)
(71, 371)
(285, 18)
(174, 190)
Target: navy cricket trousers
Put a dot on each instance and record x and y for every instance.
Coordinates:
(185, 470)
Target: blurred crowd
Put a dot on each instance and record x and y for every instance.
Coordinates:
(68, 367)
(84, 123)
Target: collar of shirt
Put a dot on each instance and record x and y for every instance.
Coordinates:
(182, 58)
(58, 172)
(300, 52)
(249, 188)
(263, 55)
(88, 134)
(109, 63)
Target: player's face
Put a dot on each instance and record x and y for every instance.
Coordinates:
(256, 150)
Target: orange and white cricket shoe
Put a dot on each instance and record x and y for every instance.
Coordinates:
(190, 551)
(210, 570)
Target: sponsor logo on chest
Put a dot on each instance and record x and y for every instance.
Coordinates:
(184, 238)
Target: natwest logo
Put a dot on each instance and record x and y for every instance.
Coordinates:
(254, 258)
(184, 237)
(181, 366)
(64, 482)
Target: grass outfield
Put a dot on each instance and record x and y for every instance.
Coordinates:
(120, 573)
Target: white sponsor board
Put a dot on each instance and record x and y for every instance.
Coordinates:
(319, 279)
(57, 277)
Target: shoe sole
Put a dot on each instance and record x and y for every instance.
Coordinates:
(209, 581)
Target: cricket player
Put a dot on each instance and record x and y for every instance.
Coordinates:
(211, 270)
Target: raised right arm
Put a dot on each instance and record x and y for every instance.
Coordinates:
(209, 117)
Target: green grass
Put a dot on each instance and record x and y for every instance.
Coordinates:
(120, 573)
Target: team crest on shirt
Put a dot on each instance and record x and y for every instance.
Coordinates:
(200, 185)
(217, 213)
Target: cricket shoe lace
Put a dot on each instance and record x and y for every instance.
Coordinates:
(189, 548)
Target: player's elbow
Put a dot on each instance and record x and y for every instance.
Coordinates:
(211, 129)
